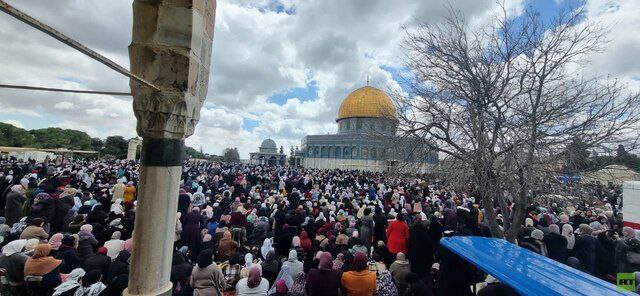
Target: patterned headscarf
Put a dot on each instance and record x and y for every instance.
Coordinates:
(338, 262)
(385, 285)
(299, 282)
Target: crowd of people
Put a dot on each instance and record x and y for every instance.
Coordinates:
(66, 229)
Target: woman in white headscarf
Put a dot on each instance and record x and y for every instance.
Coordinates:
(266, 247)
(30, 245)
(117, 207)
(13, 247)
(72, 283)
(248, 264)
(567, 232)
(295, 266)
(198, 198)
(285, 274)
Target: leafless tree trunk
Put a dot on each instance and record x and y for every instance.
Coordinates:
(503, 101)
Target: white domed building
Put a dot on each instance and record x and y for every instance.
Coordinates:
(268, 154)
(366, 138)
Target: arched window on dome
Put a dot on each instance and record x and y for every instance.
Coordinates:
(323, 152)
(347, 125)
(310, 151)
(338, 152)
(331, 155)
(365, 153)
(316, 152)
(354, 152)
(358, 124)
(347, 152)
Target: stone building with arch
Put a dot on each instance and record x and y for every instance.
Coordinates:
(366, 138)
(268, 154)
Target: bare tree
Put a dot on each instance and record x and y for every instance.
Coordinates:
(502, 101)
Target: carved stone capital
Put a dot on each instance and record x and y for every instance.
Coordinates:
(171, 48)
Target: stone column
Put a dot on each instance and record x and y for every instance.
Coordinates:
(133, 148)
(171, 48)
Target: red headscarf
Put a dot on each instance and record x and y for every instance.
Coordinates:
(102, 250)
(281, 286)
(305, 242)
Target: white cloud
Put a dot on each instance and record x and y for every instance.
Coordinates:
(64, 105)
(14, 123)
(618, 58)
(261, 47)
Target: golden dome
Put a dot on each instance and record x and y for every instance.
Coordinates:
(367, 102)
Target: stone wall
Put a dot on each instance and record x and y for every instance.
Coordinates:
(369, 165)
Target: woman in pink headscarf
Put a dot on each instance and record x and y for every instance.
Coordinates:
(55, 242)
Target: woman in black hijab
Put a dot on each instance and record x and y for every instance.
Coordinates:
(435, 230)
(420, 250)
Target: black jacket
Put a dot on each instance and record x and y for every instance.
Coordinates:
(87, 246)
(119, 266)
(605, 262)
(97, 262)
(556, 246)
(585, 250)
(180, 268)
(421, 250)
(70, 259)
(418, 288)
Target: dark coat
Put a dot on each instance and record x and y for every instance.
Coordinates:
(421, 250)
(455, 276)
(605, 263)
(623, 248)
(63, 206)
(183, 205)
(97, 216)
(50, 281)
(97, 262)
(87, 246)
(556, 246)
(532, 245)
(585, 250)
(435, 231)
(119, 266)
(191, 233)
(380, 227)
(418, 288)
(323, 282)
(116, 286)
(180, 268)
(43, 209)
(283, 241)
(70, 259)
(13, 207)
(14, 265)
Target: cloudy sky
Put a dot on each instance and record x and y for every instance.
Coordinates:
(279, 69)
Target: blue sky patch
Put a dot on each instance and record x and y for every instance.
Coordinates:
(308, 93)
(249, 124)
(72, 79)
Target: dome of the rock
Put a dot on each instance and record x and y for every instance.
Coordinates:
(367, 102)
